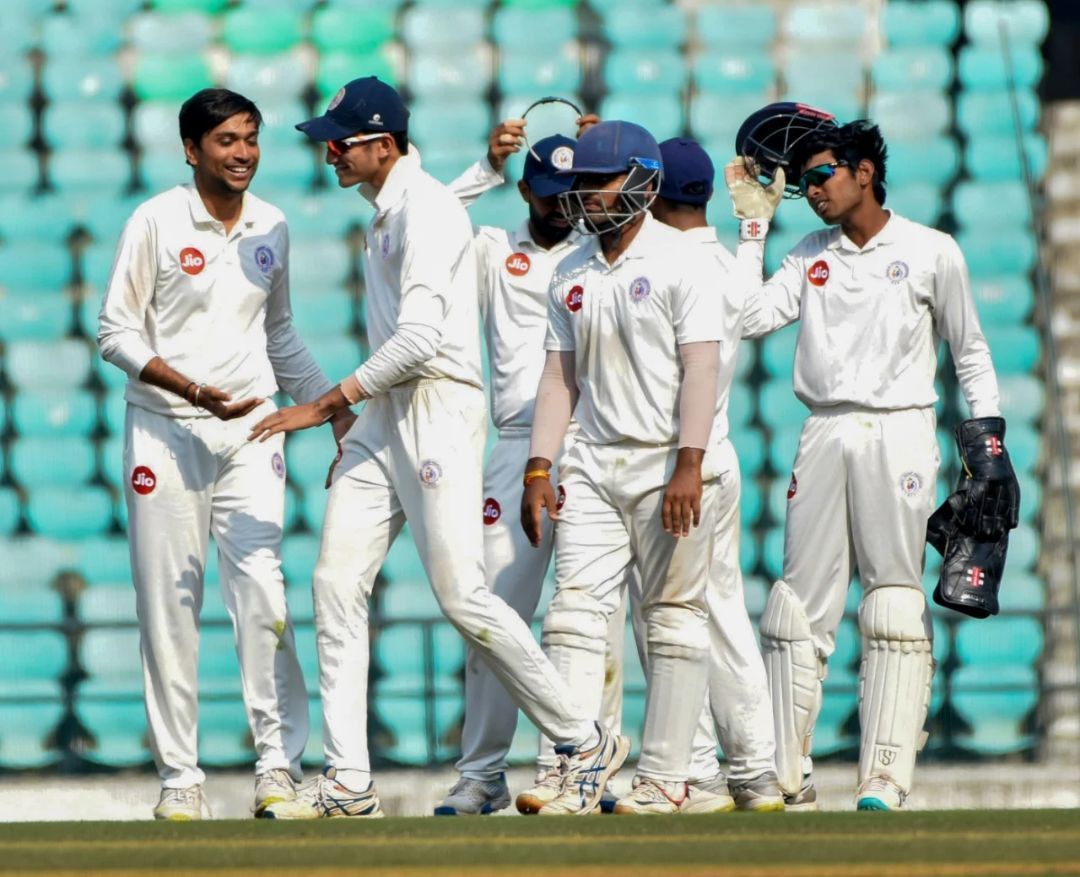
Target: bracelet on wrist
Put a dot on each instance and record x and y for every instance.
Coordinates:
(198, 390)
(753, 229)
(533, 474)
(187, 390)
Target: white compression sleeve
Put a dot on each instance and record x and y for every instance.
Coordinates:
(697, 397)
(556, 396)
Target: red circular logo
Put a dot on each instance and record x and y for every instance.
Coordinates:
(818, 273)
(792, 487)
(143, 480)
(574, 298)
(560, 499)
(191, 260)
(518, 264)
(492, 511)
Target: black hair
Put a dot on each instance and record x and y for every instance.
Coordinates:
(850, 144)
(401, 140)
(206, 109)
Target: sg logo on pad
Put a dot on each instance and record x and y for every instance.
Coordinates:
(191, 261)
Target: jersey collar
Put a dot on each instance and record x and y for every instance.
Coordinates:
(201, 216)
(704, 234)
(888, 235)
(404, 170)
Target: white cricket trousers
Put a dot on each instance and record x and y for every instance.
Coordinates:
(862, 488)
(185, 480)
(609, 522)
(515, 571)
(415, 453)
(738, 706)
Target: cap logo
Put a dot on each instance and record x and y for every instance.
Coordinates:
(562, 157)
(376, 119)
(264, 258)
(640, 289)
(818, 273)
(518, 264)
(191, 261)
(143, 480)
(336, 99)
(896, 271)
(492, 511)
(574, 298)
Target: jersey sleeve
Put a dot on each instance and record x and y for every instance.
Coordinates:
(475, 180)
(957, 321)
(697, 300)
(560, 330)
(773, 304)
(121, 336)
(294, 367)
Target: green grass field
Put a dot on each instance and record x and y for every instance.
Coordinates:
(767, 845)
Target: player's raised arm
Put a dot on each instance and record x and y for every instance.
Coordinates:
(505, 139)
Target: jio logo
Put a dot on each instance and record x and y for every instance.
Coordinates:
(492, 511)
(143, 480)
(818, 273)
(191, 261)
(518, 264)
(574, 299)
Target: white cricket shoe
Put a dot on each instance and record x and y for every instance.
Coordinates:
(325, 798)
(653, 797)
(760, 794)
(471, 797)
(549, 785)
(708, 796)
(181, 805)
(879, 793)
(273, 787)
(805, 801)
(585, 773)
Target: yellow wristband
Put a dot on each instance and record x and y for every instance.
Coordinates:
(537, 473)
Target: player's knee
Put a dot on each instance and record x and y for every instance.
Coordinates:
(895, 613)
(676, 631)
(576, 619)
(785, 618)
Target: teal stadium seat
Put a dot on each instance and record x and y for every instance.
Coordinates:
(641, 71)
(172, 77)
(69, 513)
(317, 313)
(219, 670)
(462, 74)
(1025, 444)
(782, 451)
(26, 734)
(1026, 21)
(160, 170)
(750, 508)
(994, 255)
(269, 79)
(921, 22)
(913, 68)
(660, 114)
(910, 115)
(524, 73)
(778, 352)
(39, 315)
(97, 170)
(32, 662)
(35, 265)
(750, 447)
(311, 216)
(1024, 549)
(263, 31)
(171, 33)
(984, 68)
(43, 218)
(285, 165)
(409, 598)
(772, 544)
(72, 124)
(454, 121)
(1022, 593)
(60, 413)
(299, 552)
(934, 161)
(401, 654)
(9, 511)
(30, 561)
(1030, 497)
(338, 67)
(1003, 205)
(629, 27)
(736, 26)
(536, 31)
(47, 364)
(809, 22)
(1015, 349)
(71, 35)
(352, 27)
(1022, 397)
(735, 73)
(991, 112)
(997, 157)
(740, 404)
(424, 29)
(308, 455)
(919, 202)
(329, 260)
(16, 78)
(405, 719)
(301, 603)
(779, 407)
(171, 6)
(51, 461)
(224, 736)
(22, 171)
(844, 661)
(154, 126)
(119, 731)
(500, 208)
(108, 604)
(114, 410)
(756, 595)
(37, 604)
(111, 659)
(16, 125)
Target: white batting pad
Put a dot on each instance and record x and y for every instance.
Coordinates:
(795, 673)
(894, 681)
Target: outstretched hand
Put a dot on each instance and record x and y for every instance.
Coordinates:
(505, 139)
(749, 198)
(216, 402)
(285, 420)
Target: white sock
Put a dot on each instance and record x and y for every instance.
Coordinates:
(353, 780)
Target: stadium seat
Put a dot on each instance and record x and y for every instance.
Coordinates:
(31, 561)
(401, 652)
(630, 27)
(68, 35)
(910, 115)
(1025, 21)
(35, 265)
(740, 405)
(10, 514)
(556, 72)
(934, 161)
(407, 599)
(639, 71)
(219, 670)
(715, 120)
(81, 78)
(1024, 549)
(224, 736)
(756, 595)
(38, 315)
(1030, 497)
(32, 662)
(338, 67)
(74, 124)
(919, 202)
(38, 604)
(1022, 397)
(779, 407)
(308, 455)
(269, 79)
(750, 448)
(154, 126)
(997, 157)
(37, 219)
(735, 73)
(778, 352)
(98, 170)
(298, 555)
(921, 22)
(661, 114)
(159, 170)
(16, 125)
(262, 31)
(772, 546)
(809, 21)
(118, 728)
(171, 34)
(16, 78)
(358, 28)
(69, 513)
(830, 731)
(108, 605)
(114, 410)
(750, 505)
(1022, 592)
(314, 509)
(26, 734)
(533, 31)
(991, 112)
(424, 29)
(58, 413)
(327, 259)
(983, 68)
(997, 255)
(1004, 205)
(282, 165)
(50, 461)
(736, 26)
(172, 77)
(913, 68)
(990, 644)
(452, 121)
(405, 719)
(782, 450)
(1016, 349)
(462, 74)
(22, 169)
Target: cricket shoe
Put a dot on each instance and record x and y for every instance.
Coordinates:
(761, 794)
(608, 800)
(708, 796)
(805, 800)
(549, 785)
(585, 773)
(273, 787)
(879, 793)
(326, 798)
(181, 805)
(653, 797)
(471, 797)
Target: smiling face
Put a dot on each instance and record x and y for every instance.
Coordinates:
(361, 162)
(834, 190)
(226, 157)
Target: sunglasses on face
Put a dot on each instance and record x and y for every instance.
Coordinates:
(340, 147)
(818, 176)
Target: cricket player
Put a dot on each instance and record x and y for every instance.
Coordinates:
(634, 334)
(514, 271)
(738, 704)
(873, 293)
(197, 313)
(414, 453)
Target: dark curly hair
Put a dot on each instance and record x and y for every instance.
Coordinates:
(851, 143)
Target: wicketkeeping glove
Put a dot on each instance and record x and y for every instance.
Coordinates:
(750, 199)
(991, 492)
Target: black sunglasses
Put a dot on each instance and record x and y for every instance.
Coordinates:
(819, 175)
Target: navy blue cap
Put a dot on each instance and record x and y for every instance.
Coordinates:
(614, 147)
(364, 105)
(544, 161)
(688, 172)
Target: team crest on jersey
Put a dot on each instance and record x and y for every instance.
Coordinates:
(191, 261)
(143, 480)
(818, 273)
(336, 99)
(264, 258)
(574, 298)
(430, 473)
(640, 289)
(910, 483)
(560, 498)
(563, 158)
(518, 264)
(492, 511)
(896, 271)
(793, 487)
(278, 465)
(384, 245)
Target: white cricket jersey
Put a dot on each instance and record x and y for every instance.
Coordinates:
(420, 274)
(625, 323)
(871, 319)
(732, 301)
(213, 305)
